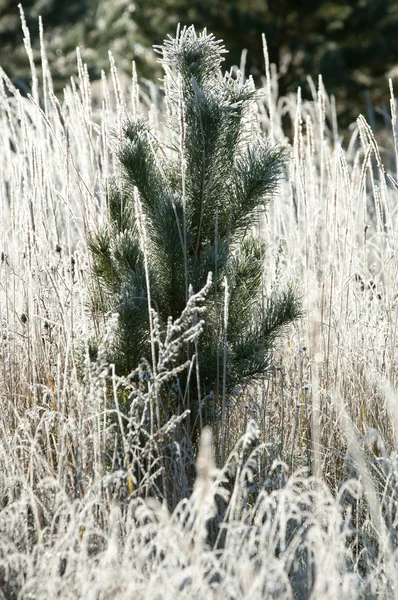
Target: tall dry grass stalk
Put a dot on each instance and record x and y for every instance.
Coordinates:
(77, 523)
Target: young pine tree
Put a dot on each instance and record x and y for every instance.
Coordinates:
(197, 198)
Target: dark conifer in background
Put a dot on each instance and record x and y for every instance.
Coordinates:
(197, 197)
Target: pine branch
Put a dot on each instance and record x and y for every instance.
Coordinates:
(252, 348)
(192, 57)
(245, 274)
(140, 164)
(255, 177)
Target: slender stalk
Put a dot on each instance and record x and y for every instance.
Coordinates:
(142, 232)
(225, 408)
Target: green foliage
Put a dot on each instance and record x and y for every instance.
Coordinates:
(185, 210)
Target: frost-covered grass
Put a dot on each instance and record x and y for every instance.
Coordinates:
(306, 504)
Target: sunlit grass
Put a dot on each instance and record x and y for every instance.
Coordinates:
(306, 505)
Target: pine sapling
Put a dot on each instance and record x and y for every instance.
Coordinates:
(199, 195)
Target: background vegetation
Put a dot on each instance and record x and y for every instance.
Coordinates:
(352, 44)
(305, 504)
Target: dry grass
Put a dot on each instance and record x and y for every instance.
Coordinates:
(74, 521)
